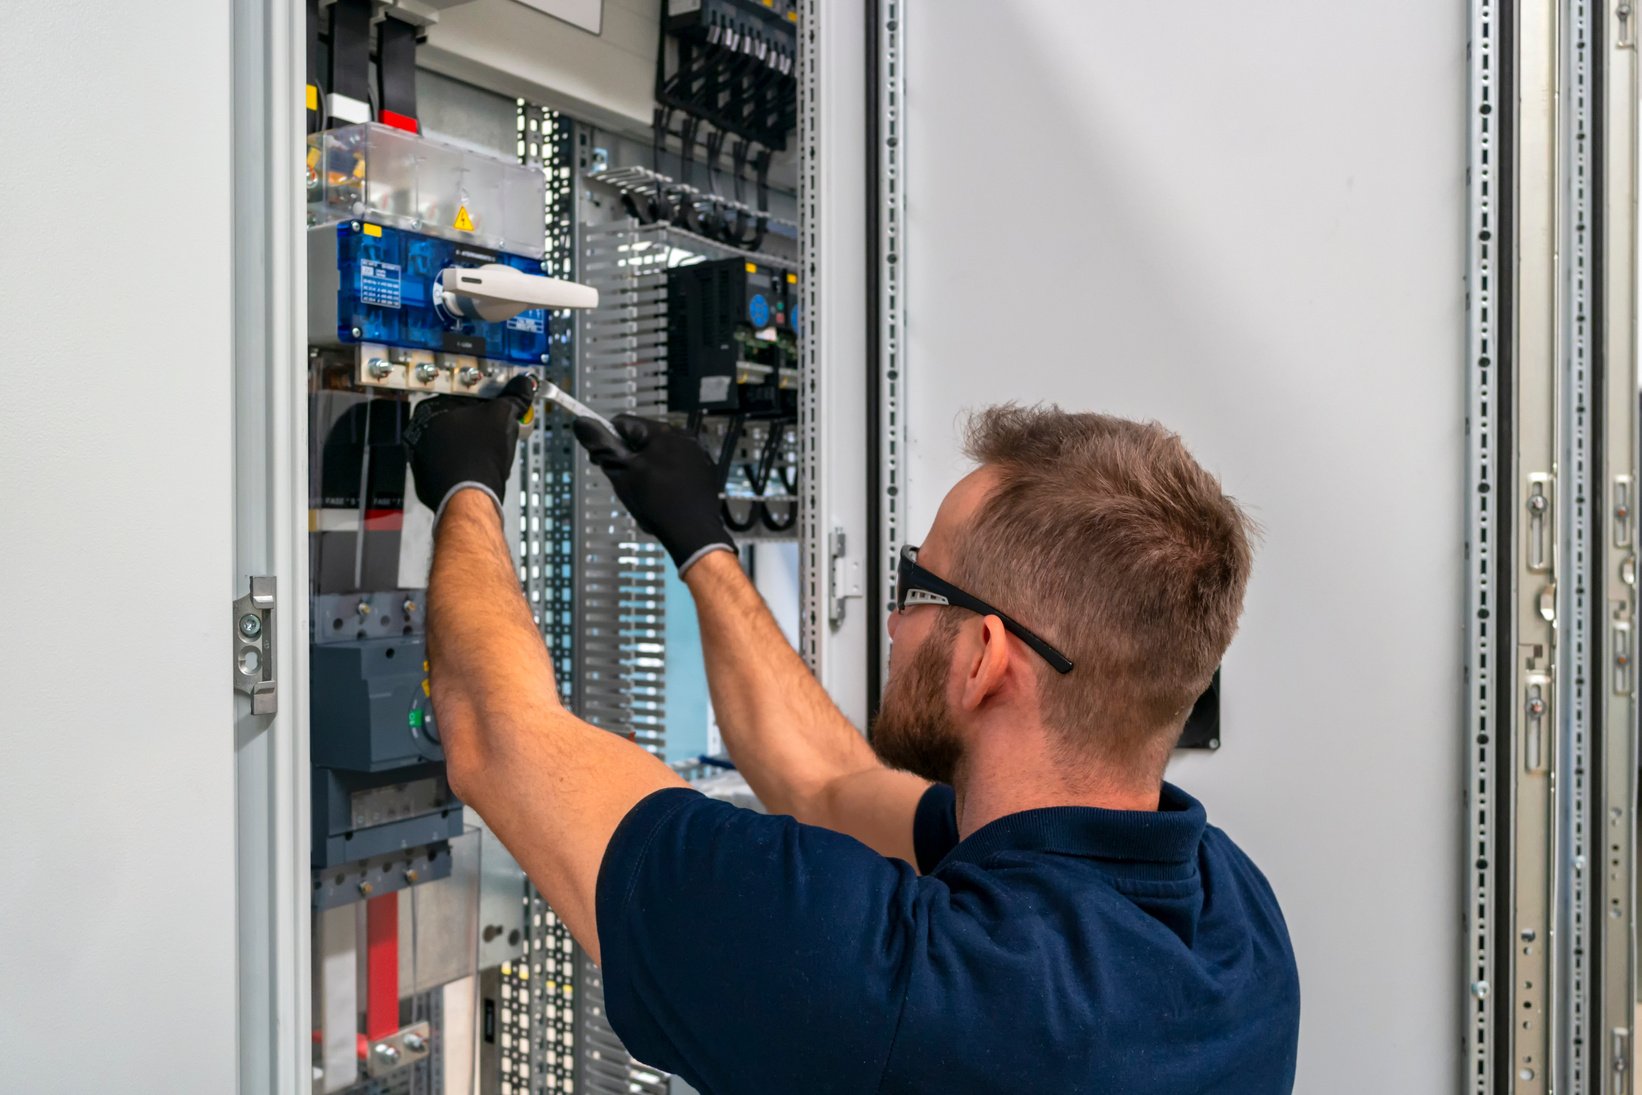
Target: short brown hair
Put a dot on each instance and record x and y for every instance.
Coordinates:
(1107, 538)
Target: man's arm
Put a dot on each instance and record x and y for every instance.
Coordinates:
(798, 752)
(551, 786)
(786, 736)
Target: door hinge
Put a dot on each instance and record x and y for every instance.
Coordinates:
(254, 646)
(844, 578)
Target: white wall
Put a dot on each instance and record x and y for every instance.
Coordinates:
(117, 948)
(1245, 220)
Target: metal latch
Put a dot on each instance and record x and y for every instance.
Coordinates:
(1624, 658)
(844, 578)
(1539, 523)
(254, 646)
(1620, 1063)
(1536, 707)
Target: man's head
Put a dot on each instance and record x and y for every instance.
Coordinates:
(1106, 539)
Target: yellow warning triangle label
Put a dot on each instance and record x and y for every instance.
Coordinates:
(463, 221)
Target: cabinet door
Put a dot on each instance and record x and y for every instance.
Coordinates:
(1247, 222)
(117, 959)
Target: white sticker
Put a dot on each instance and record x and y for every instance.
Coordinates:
(715, 389)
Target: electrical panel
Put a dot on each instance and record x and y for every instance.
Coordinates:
(435, 269)
(427, 275)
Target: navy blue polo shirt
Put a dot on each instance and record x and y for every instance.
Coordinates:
(1067, 949)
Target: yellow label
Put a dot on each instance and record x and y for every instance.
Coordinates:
(752, 268)
(792, 17)
(463, 222)
(313, 159)
(313, 97)
(426, 691)
(373, 230)
(792, 279)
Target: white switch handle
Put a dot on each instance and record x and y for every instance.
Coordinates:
(494, 292)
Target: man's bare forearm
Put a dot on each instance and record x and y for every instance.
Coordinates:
(797, 751)
(552, 787)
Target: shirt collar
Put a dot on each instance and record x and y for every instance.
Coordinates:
(1169, 834)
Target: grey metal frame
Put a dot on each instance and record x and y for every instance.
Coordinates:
(1613, 474)
(1552, 331)
(270, 538)
(892, 295)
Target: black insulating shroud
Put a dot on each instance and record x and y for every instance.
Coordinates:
(1202, 729)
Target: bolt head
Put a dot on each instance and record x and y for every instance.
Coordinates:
(355, 332)
(364, 608)
(250, 625)
(365, 889)
(415, 1043)
(388, 1053)
(1479, 989)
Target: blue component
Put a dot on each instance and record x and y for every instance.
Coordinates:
(386, 290)
(758, 311)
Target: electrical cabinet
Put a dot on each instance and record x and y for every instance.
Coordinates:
(1396, 321)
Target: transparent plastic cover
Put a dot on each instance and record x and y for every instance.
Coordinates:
(399, 179)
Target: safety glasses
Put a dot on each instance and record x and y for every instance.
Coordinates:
(916, 586)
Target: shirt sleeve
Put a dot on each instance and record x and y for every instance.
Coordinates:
(746, 952)
(935, 826)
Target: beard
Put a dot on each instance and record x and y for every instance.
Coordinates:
(914, 728)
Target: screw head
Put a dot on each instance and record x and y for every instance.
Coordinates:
(250, 625)
(1537, 503)
(1536, 707)
(415, 1043)
(1479, 989)
(409, 606)
(365, 889)
(388, 1053)
(363, 608)
(470, 375)
(355, 332)
(379, 369)
(427, 372)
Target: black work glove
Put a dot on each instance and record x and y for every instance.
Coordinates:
(665, 479)
(457, 441)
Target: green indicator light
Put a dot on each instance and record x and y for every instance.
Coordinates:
(416, 718)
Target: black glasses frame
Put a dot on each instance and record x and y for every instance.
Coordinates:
(916, 586)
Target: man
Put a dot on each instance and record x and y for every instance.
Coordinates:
(1000, 893)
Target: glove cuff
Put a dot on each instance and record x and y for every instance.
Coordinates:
(464, 485)
(701, 554)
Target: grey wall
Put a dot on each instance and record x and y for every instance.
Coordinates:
(1245, 221)
(117, 948)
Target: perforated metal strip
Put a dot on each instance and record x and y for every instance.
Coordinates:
(812, 561)
(539, 989)
(621, 366)
(1574, 613)
(1483, 602)
(892, 303)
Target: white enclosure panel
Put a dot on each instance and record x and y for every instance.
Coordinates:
(117, 954)
(1245, 221)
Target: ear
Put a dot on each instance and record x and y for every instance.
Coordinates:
(989, 669)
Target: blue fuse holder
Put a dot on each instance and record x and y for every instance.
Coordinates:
(387, 292)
